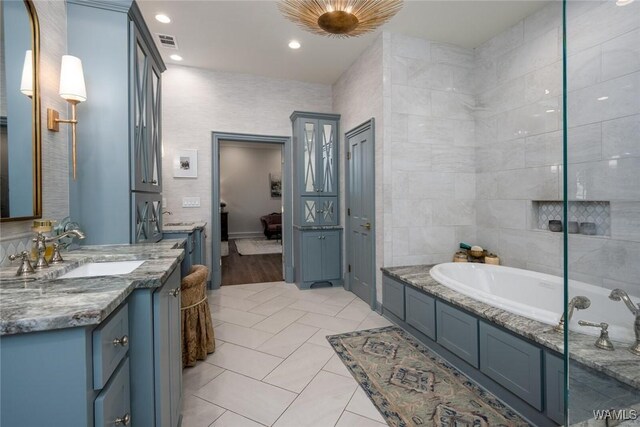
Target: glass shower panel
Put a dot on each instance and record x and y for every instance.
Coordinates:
(602, 234)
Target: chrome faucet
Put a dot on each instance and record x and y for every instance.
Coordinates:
(56, 258)
(577, 302)
(25, 264)
(620, 295)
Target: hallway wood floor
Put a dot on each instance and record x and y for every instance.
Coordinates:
(238, 269)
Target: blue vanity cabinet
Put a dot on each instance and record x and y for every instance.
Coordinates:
(76, 376)
(194, 248)
(320, 257)
(119, 131)
(156, 354)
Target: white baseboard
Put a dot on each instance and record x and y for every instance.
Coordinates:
(246, 235)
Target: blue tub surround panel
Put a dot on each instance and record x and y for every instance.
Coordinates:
(317, 236)
(518, 359)
(93, 350)
(195, 236)
(117, 196)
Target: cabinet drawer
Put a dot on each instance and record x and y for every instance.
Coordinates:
(114, 402)
(457, 332)
(513, 363)
(554, 387)
(420, 312)
(393, 296)
(110, 344)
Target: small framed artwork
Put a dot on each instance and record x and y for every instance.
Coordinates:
(185, 164)
(275, 185)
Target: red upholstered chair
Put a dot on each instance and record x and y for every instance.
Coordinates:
(272, 225)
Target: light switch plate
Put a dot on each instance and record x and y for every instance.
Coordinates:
(164, 202)
(191, 202)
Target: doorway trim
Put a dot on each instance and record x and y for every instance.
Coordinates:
(363, 127)
(287, 195)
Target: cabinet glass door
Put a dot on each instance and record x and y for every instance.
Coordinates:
(140, 136)
(309, 147)
(310, 211)
(155, 220)
(141, 221)
(155, 142)
(328, 211)
(328, 174)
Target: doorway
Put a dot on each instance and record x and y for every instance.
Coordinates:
(360, 219)
(256, 241)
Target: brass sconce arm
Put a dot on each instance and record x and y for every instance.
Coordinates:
(53, 124)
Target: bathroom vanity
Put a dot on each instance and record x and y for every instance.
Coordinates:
(193, 233)
(518, 359)
(93, 351)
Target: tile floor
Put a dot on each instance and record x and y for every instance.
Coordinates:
(273, 365)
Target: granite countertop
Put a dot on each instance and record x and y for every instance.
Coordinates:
(619, 364)
(41, 302)
(184, 227)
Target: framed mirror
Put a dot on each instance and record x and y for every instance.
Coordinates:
(20, 133)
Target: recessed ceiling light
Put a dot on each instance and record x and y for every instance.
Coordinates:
(623, 2)
(294, 44)
(163, 18)
(176, 57)
(603, 98)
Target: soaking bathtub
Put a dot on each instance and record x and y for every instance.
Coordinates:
(537, 296)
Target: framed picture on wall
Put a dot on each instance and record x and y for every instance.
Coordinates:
(185, 164)
(275, 185)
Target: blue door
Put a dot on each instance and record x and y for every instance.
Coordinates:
(360, 212)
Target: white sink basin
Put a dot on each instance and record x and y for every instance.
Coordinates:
(94, 269)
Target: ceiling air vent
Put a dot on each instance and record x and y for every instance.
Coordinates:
(167, 41)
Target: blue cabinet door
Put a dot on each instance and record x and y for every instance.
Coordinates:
(393, 296)
(162, 355)
(175, 350)
(420, 311)
(312, 256)
(554, 387)
(457, 331)
(331, 255)
(512, 362)
(308, 176)
(328, 157)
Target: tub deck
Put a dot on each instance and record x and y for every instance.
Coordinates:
(619, 364)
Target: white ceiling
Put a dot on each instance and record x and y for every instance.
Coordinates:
(252, 36)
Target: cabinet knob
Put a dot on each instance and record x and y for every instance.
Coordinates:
(154, 182)
(124, 420)
(175, 292)
(144, 181)
(124, 341)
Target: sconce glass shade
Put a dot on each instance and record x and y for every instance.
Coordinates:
(72, 86)
(26, 85)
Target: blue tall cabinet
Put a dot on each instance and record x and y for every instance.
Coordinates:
(317, 235)
(117, 197)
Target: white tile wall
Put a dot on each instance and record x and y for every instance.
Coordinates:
(519, 136)
(197, 102)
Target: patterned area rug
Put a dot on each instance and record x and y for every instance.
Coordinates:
(258, 247)
(412, 386)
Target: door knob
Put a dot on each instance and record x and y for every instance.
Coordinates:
(367, 226)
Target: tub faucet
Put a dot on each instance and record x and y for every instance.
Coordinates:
(620, 295)
(577, 302)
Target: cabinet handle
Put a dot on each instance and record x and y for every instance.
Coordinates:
(319, 237)
(175, 292)
(124, 341)
(123, 420)
(144, 181)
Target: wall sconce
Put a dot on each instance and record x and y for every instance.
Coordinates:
(26, 84)
(72, 89)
